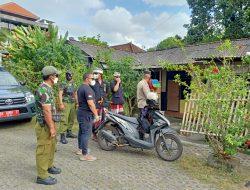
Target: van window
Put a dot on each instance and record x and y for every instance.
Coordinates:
(7, 80)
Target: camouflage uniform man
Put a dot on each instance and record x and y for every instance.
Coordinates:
(46, 127)
(67, 103)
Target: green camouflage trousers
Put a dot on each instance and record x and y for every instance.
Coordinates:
(45, 150)
(68, 117)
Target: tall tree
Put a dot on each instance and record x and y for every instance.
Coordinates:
(201, 25)
(233, 17)
(218, 19)
(170, 42)
(95, 40)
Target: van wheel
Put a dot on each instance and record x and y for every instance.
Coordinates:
(28, 119)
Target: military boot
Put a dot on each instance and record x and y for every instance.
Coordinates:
(63, 139)
(70, 134)
(54, 170)
(48, 181)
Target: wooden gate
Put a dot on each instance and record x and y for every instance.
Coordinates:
(193, 120)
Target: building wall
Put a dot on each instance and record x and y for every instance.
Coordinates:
(165, 78)
(10, 22)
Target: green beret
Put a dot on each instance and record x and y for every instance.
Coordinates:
(50, 70)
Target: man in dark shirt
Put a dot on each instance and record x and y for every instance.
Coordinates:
(67, 104)
(117, 100)
(100, 89)
(86, 116)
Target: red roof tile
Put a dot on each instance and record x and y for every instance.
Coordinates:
(16, 9)
(130, 47)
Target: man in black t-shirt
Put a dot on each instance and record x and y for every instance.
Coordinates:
(86, 116)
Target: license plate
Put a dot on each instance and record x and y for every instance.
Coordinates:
(11, 113)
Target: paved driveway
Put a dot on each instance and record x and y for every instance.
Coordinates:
(121, 169)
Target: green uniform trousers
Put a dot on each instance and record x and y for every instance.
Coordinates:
(68, 117)
(45, 150)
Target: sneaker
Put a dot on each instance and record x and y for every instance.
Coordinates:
(87, 157)
(79, 151)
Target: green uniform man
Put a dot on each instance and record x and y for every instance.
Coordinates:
(67, 104)
(46, 127)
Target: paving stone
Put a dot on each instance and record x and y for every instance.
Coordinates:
(123, 169)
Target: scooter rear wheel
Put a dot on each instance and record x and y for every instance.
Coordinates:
(169, 148)
(103, 143)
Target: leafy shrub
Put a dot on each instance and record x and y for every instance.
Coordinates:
(31, 49)
(218, 87)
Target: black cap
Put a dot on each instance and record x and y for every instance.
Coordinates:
(68, 73)
(49, 70)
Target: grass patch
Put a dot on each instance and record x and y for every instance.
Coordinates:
(221, 179)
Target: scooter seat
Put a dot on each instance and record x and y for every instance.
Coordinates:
(129, 119)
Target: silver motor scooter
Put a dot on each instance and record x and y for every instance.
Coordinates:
(119, 130)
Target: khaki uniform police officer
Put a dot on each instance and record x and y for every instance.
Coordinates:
(46, 127)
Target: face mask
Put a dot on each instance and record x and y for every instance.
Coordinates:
(55, 80)
(68, 78)
(95, 76)
(92, 83)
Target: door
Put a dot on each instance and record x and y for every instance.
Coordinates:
(173, 96)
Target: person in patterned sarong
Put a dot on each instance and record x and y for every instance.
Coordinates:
(117, 100)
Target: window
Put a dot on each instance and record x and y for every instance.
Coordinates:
(7, 80)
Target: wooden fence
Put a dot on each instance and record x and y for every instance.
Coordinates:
(193, 119)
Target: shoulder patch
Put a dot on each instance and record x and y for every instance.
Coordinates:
(90, 96)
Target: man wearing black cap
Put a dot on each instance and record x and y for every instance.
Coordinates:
(67, 104)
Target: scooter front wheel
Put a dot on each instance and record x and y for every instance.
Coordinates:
(169, 147)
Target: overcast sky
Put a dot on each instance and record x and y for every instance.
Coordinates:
(143, 22)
